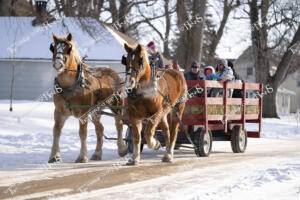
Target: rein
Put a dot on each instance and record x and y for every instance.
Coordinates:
(134, 95)
(178, 118)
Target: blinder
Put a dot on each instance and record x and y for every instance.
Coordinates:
(52, 47)
(141, 62)
(123, 61)
(69, 50)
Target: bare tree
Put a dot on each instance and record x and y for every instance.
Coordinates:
(190, 17)
(216, 35)
(267, 35)
(163, 34)
(16, 8)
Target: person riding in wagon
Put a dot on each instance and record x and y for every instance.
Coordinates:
(155, 58)
(194, 73)
(226, 74)
(210, 74)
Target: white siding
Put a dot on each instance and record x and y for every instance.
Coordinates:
(34, 78)
(31, 79)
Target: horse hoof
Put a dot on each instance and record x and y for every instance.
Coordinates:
(167, 159)
(54, 159)
(96, 157)
(81, 160)
(131, 162)
(158, 145)
(123, 153)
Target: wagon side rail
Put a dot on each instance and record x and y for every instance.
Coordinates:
(220, 121)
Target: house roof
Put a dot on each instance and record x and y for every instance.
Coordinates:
(286, 91)
(20, 40)
(122, 38)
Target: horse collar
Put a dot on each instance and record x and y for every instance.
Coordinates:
(78, 83)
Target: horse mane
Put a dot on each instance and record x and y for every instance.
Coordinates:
(75, 52)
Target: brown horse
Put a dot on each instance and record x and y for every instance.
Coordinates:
(78, 84)
(153, 99)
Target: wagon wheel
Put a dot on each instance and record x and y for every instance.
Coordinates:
(238, 139)
(203, 142)
(129, 142)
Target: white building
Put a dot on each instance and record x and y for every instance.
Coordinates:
(26, 49)
(288, 95)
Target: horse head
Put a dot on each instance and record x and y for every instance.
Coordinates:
(137, 67)
(62, 50)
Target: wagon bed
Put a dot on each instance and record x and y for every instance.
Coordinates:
(210, 119)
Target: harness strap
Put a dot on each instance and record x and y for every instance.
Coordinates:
(78, 82)
(178, 118)
(153, 73)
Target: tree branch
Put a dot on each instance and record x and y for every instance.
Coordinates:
(285, 62)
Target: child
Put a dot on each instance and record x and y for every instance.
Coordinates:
(209, 73)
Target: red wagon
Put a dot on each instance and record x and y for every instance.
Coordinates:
(210, 119)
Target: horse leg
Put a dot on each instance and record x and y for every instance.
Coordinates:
(82, 158)
(179, 108)
(165, 128)
(122, 149)
(97, 155)
(136, 136)
(149, 132)
(59, 121)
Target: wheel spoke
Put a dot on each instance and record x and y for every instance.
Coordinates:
(242, 139)
(206, 142)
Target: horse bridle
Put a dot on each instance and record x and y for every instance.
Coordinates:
(79, 71)
(130, 67)
(60, 50)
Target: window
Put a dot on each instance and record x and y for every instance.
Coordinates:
(249, 71)
(285, 101)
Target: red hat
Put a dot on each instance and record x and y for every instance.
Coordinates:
(208, 70)
(151, 45)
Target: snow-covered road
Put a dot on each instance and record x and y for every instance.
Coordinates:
(270, 169)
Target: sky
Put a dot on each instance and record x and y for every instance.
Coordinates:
(236, 37)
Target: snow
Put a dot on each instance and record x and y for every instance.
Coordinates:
(26, 139)
(39, 195)
(26, 135)
(277, 179)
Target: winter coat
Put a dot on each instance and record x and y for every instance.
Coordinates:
(226, 73)
(213, 75)
(156, 60)
(192, 76)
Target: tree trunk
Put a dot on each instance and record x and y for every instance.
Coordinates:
(201, 26)
(259, 41)
(182, 50)
(269, 107)
(190, 25)
(168, 28)
(5, 8)
(269, 102)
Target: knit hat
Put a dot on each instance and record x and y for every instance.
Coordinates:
(223, 62)
(151, 45)
(195, 64)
